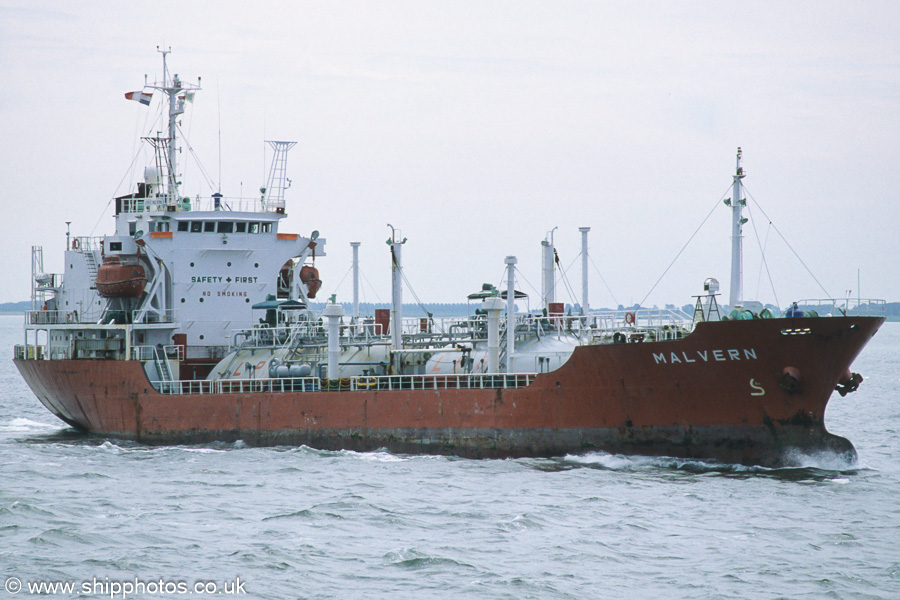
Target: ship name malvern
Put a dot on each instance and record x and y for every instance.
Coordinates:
(674, 358)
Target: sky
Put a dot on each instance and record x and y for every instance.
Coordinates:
(478, 127)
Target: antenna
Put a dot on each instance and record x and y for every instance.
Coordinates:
(219, 117)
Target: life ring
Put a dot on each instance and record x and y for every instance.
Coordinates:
(70, 318)
(75, 244)
(629, 318)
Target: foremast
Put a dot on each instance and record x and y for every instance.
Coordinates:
(737, 222)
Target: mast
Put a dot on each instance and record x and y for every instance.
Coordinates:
(737, 204)
(177, 93)
(278, 180)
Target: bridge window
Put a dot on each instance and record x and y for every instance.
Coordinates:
(226, 227)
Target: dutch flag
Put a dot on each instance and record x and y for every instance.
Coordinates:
(139, 96)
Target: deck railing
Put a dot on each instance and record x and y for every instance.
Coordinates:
(35, 318)
(849, 307)
(197, 203)
(348, 384)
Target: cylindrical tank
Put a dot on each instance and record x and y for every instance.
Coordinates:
(538, 355)
(263, 363)
(451, 363)
(298, 370)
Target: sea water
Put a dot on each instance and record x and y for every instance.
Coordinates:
(114, 519)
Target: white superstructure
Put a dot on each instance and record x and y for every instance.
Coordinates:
(206, 261)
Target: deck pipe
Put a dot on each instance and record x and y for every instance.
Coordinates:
(333, 312)
(510, 310)
(493, 306)
(585, 306)
(548, 272)
(355, 246)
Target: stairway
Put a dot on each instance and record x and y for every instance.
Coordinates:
(90, 261)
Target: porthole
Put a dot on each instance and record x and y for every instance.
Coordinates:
(201, 299)
(255, 265)
(192, 264)
(229, 264)
(182, 300)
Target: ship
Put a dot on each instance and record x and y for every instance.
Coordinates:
(194, 323)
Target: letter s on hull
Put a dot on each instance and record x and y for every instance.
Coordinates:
(757, 389)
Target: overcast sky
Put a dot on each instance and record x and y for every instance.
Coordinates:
(476, 128)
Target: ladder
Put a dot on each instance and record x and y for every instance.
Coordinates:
(90, 261)
(163, 370)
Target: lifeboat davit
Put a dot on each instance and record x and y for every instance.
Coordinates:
(116, 279)
(310, 277)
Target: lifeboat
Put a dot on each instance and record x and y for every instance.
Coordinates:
(310, 277)
(116, 279)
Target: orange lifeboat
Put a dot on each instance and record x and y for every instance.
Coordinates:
(310, 276)
(116, 279)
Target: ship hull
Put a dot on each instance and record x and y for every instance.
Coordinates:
(716, 394)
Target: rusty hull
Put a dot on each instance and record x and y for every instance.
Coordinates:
(715, 394)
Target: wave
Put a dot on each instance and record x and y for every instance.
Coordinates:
(375, 456)
(817, 466)
(410, 558)
(23, 425)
